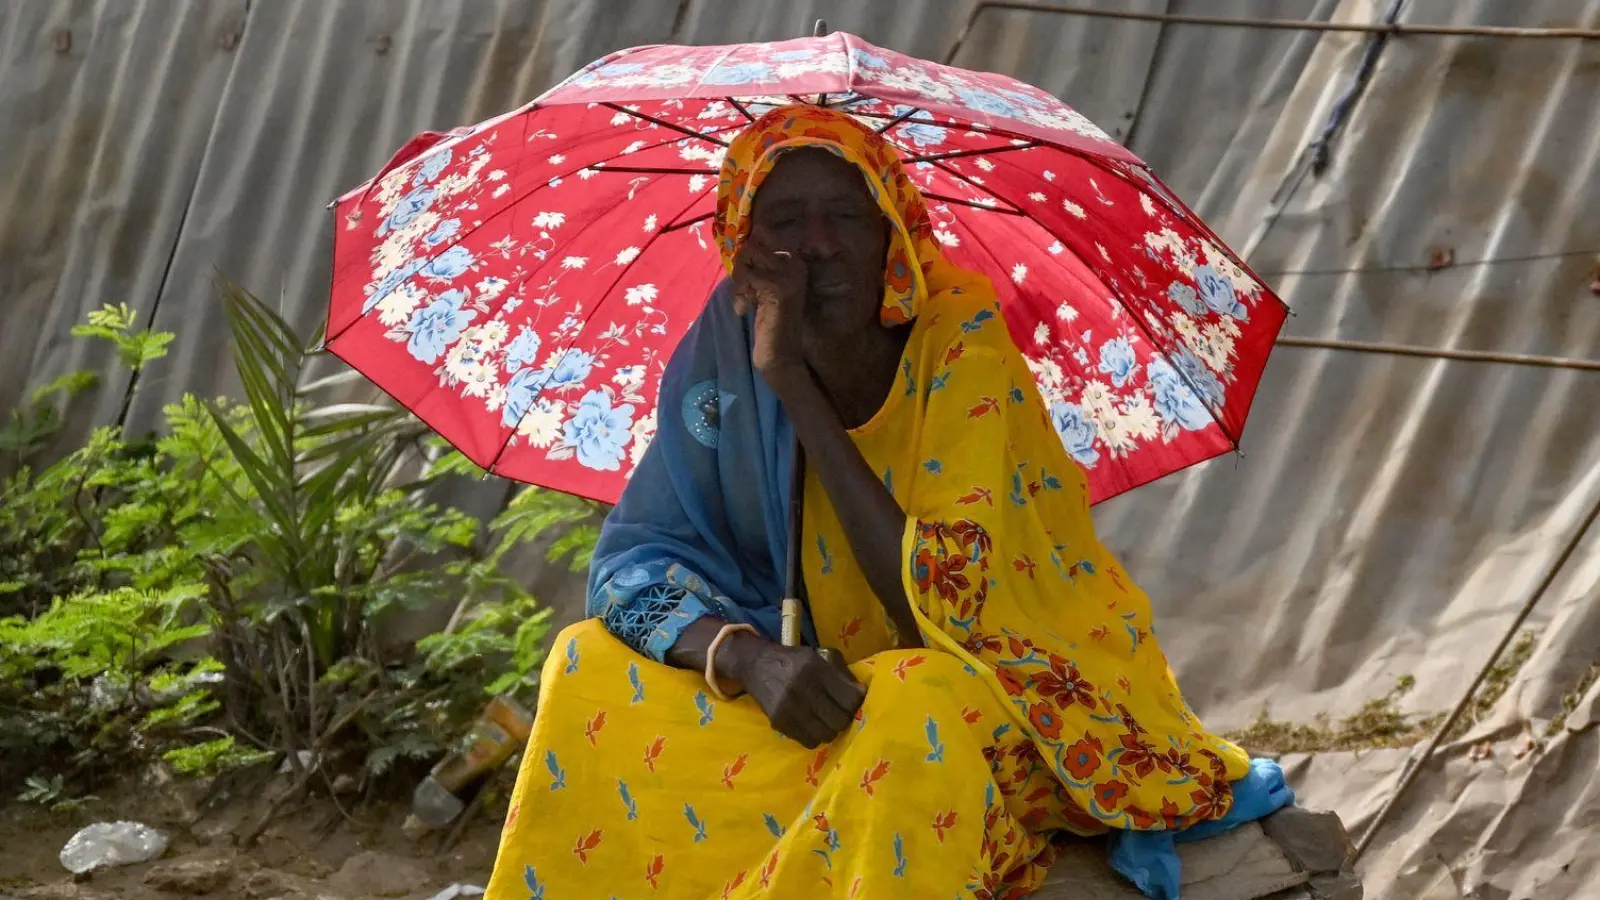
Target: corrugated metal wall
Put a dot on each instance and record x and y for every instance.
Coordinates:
(1392, 513)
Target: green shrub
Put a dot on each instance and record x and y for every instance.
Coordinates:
(210, 597)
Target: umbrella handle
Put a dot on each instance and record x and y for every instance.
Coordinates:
(793, 609)
(790, 618)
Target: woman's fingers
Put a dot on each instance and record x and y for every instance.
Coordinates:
(834, 696)
(833, 717)
(802, 724)
(753, 279)
(845, 691)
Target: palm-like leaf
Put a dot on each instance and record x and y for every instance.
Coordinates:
(303, 462)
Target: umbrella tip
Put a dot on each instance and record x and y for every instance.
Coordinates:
(820, 29)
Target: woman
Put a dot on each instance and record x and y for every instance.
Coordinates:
(1003, 686)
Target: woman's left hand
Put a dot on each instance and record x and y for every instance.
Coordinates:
(773, 283)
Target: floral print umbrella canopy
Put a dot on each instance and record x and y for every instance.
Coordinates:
(520, 284)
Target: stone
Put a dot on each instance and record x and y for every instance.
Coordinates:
(192, 877)
(267, 884)
(1242, 864)
(1336, 886)
(374, 874)
(1314, 840)
(62, 890)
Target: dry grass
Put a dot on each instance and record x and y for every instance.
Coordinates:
(1569, 700)
(1381, 723)
(1496, 683)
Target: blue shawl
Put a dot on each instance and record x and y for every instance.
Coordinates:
(702, 527)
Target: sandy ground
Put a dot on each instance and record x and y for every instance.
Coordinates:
(312, 853)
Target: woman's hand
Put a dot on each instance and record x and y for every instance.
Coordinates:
(805, 697)
(773, 283)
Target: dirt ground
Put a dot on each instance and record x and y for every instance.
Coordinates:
(313, 852)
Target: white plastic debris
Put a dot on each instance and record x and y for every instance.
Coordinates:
(458, 892)
(305, 757)
(112, 844)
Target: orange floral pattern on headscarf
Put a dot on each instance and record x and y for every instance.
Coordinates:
(915, 268)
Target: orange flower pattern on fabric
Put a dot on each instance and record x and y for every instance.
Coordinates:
(591, 729)
(732, 770)
(587, 845)
(871, 777)
(653, 753)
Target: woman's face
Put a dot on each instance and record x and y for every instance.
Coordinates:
(816, 205)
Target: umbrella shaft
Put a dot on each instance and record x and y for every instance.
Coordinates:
(790, 618)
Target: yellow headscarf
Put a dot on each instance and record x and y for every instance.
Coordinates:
(915, 268)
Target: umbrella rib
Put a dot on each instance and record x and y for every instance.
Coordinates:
(510, 207)
(665, 124)
(942, 198)
(1157, 346)
(679, 226)
(854, 97)
(953, 126)
(1010, 207)
(652, 170)
(956, 154)
(906, 115)
(740, 107)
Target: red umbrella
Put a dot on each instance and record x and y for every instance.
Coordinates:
(520, 284)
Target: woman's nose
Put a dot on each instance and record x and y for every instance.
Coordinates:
(818, 240)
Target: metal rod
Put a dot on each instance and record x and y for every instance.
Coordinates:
(986, 151)
(820, 29)
(1010, 208)
(1409, 776)
(942, 198)
(653, 170)
(665, 124)
(1408, 28)
(1412, 350)
(910, 111)
(793, 586)
(677, 226)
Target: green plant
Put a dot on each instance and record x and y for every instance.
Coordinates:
(37, 420)
(43, 791)
(51, 794)
(33, 423)
(212, 597)
(214, 757)
(135, 348)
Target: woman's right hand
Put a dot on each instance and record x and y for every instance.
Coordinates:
(805, 697)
